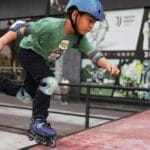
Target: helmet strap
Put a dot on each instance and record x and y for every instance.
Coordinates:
(74, 26)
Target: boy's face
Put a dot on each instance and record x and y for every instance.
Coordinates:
(85, 23)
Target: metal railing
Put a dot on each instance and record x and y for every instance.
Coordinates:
(89, 97)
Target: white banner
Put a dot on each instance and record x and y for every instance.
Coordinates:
(123, 30)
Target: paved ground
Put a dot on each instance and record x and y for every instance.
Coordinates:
(18, 118)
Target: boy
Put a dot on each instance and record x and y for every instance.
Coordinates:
(43, 42)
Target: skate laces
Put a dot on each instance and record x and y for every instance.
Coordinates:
(42, 122)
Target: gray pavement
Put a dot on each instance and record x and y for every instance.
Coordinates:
(13, 141)
(64, 124)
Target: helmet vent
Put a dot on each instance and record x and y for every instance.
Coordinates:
(99, 11)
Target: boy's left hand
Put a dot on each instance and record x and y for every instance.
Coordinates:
(112, 69)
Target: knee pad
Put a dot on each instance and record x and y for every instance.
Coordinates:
(48, 85)
(23, 96)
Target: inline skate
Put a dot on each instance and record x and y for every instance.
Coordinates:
(42, 133)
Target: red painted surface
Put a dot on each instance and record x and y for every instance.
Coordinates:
(132, 133)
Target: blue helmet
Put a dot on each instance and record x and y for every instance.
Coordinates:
(92, 7)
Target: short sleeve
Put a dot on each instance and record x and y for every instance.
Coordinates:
(85, 45)
(39, 27)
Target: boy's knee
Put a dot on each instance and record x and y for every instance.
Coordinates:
(48, 85)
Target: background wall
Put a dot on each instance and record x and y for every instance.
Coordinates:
(128, 57)
(23, 8)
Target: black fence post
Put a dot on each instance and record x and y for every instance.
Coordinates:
(87, 111)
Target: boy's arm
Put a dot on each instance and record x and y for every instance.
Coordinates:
(99, 60)
(7, 38)
(16, 30)
(112, 69)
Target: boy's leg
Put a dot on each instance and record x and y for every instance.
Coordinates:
(36, 66)
(30, 84)
(27, 92)
(15, 89)
(8, 87)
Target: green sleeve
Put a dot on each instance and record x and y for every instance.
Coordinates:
(85, 45)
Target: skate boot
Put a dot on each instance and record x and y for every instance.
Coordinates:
(41, 132)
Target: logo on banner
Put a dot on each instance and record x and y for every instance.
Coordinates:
(119, 21)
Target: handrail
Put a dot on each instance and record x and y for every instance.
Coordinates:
(88, 95)
(106, 87)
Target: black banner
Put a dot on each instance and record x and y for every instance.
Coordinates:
(23, 8)
(121, 4)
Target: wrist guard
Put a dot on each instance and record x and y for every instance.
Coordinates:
(95, 56)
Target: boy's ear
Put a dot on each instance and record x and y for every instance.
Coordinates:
(74, 14)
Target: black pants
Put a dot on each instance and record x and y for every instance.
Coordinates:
(35, 69)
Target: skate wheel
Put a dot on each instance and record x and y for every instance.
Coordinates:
(52, 143)
(38, 141)
(45, 142)
(30, 136)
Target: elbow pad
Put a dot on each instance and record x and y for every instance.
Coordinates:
(95, 56)
(16, 28)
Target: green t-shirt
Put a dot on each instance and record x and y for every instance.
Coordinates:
(49, 39)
